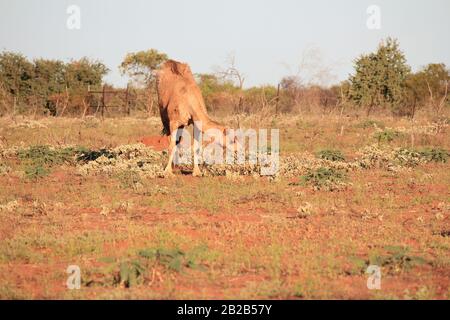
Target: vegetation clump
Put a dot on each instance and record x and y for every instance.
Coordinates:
(173, 259)
(386, 135)
(435, 154)
(330, 154)
(397, 259)
(48, 155)
(143, 265)
(369, 123)
(374, 156)
(4, 169)
(325, 178)
(92, 155)
(39, 160)
(136, 158)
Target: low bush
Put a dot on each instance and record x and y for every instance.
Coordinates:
(325, 178)
(331, 155)
(435, 154)
(387, 135)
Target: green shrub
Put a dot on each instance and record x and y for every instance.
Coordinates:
(387, 135)
(173, 259)
(394, 260)
(44, 155)
(332, 155)
(408, 158)
(39, 159)
(35, 172)
(435, 155)
(131, 273)
(397, 260)
(134, 270)
(324, 178)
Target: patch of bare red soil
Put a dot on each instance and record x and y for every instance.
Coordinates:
(159, 143)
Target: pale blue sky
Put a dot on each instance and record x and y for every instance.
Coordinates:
(266, 37)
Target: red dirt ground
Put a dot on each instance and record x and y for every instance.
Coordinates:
(158, 143)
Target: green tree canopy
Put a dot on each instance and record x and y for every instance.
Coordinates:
(84, 72)
(379, 78)
(16, 73)
(140, 66)
(37, 81)
(428, 87)
(49, 76)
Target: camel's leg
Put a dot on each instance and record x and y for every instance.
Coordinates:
(171, 150)
(172, 146)
(196, 172)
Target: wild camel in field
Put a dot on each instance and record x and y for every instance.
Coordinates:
(181, 104)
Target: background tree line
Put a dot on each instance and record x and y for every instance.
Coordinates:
(46, 86)
(382, 82)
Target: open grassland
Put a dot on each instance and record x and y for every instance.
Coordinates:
(352, 193)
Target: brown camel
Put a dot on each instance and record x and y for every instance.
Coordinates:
(181, 104)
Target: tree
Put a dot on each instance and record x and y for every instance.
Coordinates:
(140, 66)
(16, 74)
(218, 93)
(232, 74)
(380, 77)
(6, 100)
(341, 92)
(428, 88)
(37, 84)
(292, 89)
(49, 79)
(84, 72)
(437, 77)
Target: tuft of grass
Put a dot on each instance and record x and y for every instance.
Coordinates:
(131, 273)
(324, 178)
(134, 270)
(422, 293)
(370, 123)
(331, 155)
(387, 135)
(397, 259)
(173, 259)
(34, 172)
(130, 180)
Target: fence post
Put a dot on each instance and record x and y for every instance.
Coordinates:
(127, 105)
(277, 100)
(103, 101)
